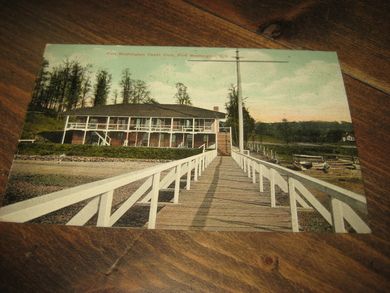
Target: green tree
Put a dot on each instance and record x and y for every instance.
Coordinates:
(38, 95)
(74, 85)
(115, 96)
(151, 101)
(182, 97)
(102, 87)
(126, 84)
(232, 118)
(334, 135)
(85, 85)
(53, 90)
(140, 93)
(261, 130)
(285, 130)
(63, 75)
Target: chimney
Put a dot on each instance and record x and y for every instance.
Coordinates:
(216, 108)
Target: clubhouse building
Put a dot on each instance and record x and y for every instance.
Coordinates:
(148, 125)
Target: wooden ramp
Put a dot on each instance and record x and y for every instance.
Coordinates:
(224, 199)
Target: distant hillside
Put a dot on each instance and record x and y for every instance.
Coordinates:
(303, 131)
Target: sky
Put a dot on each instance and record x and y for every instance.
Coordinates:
(308, 87)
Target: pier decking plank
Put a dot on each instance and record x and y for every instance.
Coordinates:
(224, 199)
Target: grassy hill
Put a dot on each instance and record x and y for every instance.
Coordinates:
(38, 125)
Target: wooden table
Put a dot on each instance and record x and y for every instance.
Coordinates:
(58, 258)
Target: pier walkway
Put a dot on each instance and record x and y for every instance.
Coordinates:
(224, 199)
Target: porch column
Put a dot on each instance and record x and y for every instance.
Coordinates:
(85, 130)
(128, 129)
(193, 131)
(65, 127)
(170, 134)
(150, 129)
(107, 124)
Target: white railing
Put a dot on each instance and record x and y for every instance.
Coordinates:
(165, 128)
(139, 127)
(203, 147)
(225, 129)
(26, 140)
(101, 194)
(182, 128)
(344, 203)
(82, 126)
(117, 126)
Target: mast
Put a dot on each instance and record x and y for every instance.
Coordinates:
(239, 101)
(239, 90)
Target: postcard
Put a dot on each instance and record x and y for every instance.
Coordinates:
(188, 138)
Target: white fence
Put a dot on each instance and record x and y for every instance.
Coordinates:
(344, 203)
(101, 194)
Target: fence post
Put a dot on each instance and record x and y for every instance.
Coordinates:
(105, 209)
(196, 169)
(272, 186)
(189, 175)
(177, 184)
(261, 182)
(154, 201)
(248, 162)
(293, 205)
(337, 215)
(204, 164)
(253, 171)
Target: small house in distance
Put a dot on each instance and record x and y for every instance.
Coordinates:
(148, 125)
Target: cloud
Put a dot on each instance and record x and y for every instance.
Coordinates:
(162, 92)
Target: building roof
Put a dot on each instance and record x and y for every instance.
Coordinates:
(147, 110)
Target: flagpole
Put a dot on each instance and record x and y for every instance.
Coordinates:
(239, 90)
(240, 113)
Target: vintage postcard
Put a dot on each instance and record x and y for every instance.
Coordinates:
(216, 139)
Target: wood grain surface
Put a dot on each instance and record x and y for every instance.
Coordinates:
(58, 258)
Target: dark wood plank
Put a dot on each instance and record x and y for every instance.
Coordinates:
(355, 29)
(59, 258)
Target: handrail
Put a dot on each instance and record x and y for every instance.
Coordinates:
(342, 200)
(359, 201)
(33, 208)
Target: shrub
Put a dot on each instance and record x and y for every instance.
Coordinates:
(105, 151)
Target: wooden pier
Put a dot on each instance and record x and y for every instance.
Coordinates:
(224, 199)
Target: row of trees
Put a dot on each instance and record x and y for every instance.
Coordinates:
(304, 131)
(65, 87)
(69, 86)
